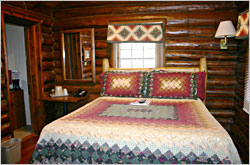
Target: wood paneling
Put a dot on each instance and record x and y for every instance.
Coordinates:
(189, 35)
(240, 126)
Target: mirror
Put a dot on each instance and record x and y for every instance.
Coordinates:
(78, 55)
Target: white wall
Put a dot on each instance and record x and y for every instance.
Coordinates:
(17, 60)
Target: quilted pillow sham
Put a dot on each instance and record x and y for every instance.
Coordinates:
(124, 84)
(172, 85)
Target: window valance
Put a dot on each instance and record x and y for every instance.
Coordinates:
(143, 32)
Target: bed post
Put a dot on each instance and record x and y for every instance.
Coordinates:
(203, 68)
(105, 65)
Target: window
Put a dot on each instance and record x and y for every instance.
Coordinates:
(137, 55)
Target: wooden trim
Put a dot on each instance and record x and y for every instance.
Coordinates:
(23, 13)
(93, 55)
(76, 30)
(6, 69)
(162, 20)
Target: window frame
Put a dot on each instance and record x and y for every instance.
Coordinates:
(158, 53)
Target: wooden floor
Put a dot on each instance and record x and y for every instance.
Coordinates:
(27, 148)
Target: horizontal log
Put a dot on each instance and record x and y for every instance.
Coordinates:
(201, 19)
(49, 77)
(4, 106)
(98, 69)
(196, 54)
(242, 115)
(202, 31)
(196, 63)
(59, 78)
(5, 138)
(57, 55)
(98, 62)
(120, 10)
(221, 82)
(101, 44)
(102, 54)
(46, 48)
(3, 95)
(48, 65)
(177, 32)
(86, 69)
(224, 5)
(56, 36)
(239, 101)
(4, 118)
(239, 90)
(220, 92)
(57, 46)
(231, 15)
(5, 129)
(218, 71)
(174, 19)
(101, 34)
(190, 31)
(46, 30)
(222, 113)
(47, 22)
(197, 45)
(47, 56)
(214, 103)
(242, 124)
(58, 70)
(238, 134)
(48, 41)
(58, 64)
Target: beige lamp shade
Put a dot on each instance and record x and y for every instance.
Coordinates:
(225, 29)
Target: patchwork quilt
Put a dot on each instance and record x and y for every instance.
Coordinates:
(109, 130)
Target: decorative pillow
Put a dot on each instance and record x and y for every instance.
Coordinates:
(127, 84)
(101, 79)
(172, 85)
(201, 80)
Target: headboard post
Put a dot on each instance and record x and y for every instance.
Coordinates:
(203, 68)
(105, 65)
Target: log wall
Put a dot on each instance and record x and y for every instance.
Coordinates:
(240, 126)
(190, 30)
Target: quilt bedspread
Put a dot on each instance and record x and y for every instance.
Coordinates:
(109, 130)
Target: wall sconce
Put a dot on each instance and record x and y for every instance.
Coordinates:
(225, 29)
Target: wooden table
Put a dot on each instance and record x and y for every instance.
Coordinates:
(65, 100)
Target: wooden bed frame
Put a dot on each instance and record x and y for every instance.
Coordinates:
(201, 68)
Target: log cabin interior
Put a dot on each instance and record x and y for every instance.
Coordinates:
(40, 33)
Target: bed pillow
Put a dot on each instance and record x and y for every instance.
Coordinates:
(201, 88)
(172, 85)
(124, 84)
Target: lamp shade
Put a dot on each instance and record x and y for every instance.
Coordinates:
(225, 29)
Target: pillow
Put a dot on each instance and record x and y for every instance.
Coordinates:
(101, 79)
(124, 84)
(172, 85)
(201, 80)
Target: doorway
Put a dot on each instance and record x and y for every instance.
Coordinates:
(19, 92)
(31, 28)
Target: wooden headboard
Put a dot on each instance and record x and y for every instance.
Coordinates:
(201, 68)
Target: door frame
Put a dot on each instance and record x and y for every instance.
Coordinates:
(33, 46)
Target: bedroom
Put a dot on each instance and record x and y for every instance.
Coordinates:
(190, 28)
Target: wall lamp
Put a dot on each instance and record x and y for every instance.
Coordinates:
(225, 29)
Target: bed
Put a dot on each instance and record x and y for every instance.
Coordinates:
(174, 128)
